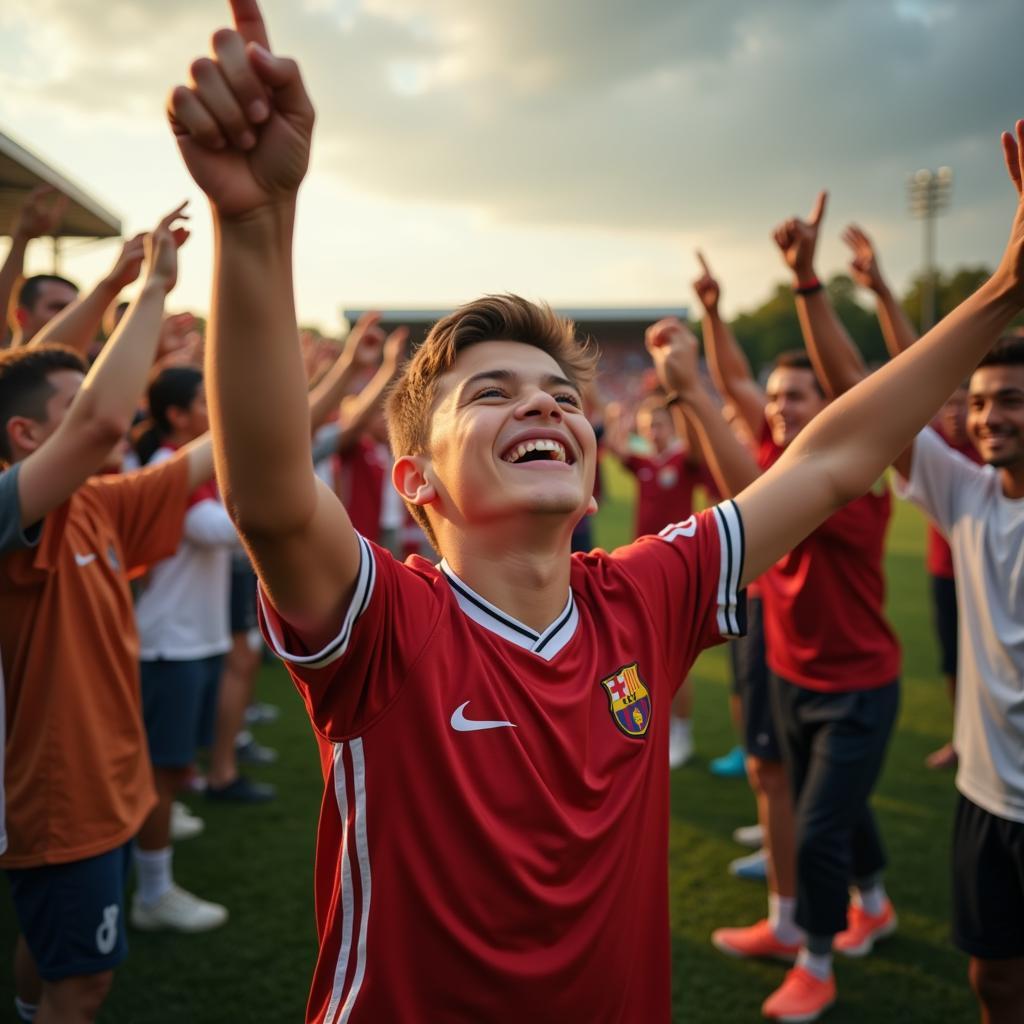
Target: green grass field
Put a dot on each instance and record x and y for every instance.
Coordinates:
(259, 861)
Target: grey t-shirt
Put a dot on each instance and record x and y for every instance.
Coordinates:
(986, 533)
(11, 533)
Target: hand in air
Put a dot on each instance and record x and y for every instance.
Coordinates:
(244, 123)
(161, 247)
(365, 342)
(864, 266)
(1009, 275)
(129, 263)
(673, 347)
(395, 350)
(706, 287)
(41, 213)
(797, 239)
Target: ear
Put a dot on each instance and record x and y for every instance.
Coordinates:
(591, 507)
(177, 417)
(409, 475)
(21, 434)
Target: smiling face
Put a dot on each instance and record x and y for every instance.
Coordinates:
(508, 439)
(793, 400)
(995, 415)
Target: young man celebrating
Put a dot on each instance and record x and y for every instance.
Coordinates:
(78, 776)
(493, 838)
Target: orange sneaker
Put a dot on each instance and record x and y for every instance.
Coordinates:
(863, 930)
(801, 997)
(756, 940)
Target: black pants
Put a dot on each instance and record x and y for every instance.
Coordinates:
(834, 746)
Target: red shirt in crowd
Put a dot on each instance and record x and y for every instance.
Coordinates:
(939, 557)
(665, 486)
(824, 602)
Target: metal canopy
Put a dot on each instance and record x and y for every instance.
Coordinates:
(21, 171)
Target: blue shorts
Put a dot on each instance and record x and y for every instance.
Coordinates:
(72, 915)
(179, 708)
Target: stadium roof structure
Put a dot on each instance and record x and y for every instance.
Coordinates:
(21, 171)
(579, 314)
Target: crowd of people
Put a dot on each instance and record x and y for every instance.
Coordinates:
(496, 728)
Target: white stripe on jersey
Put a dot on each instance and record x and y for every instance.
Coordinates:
(730, 542)
(347, 900)
(335, 648)
(363, 851)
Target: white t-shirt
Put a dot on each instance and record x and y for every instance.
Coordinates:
(183, 610)
(986, 533)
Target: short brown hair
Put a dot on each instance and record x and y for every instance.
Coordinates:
(798, 359)
(24, 384)
(490, 318)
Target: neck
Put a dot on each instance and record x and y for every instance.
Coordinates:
(1012, 479)
(524, 571)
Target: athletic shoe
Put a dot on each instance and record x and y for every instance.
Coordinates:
(756, 940)
(261, 713)
(242, 791)
(179, 911)
(680, 743)
(753, 867)
(730, 766)
(863, 930)
(251, 752)
(749, 835)
(800, 998)
(943, 758)
(184, 824)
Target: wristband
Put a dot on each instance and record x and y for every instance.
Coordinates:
(807, 287)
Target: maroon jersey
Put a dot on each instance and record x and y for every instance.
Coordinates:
(360, 472)
(493, 838)
(665, 485)
(824, 602)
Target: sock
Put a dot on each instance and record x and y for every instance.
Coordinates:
(25, 1011)
(153, 873)
(818, 964)
(871, 898)
(781, 911)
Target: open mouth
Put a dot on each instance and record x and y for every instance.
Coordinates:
(541, 449)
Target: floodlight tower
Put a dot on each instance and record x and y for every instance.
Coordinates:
(929, 193)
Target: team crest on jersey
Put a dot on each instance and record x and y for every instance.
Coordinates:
(628, 700)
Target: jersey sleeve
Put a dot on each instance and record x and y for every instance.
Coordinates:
(688, 578)
(939, 476)
(349, 681)
(147, 509)
(11, 534)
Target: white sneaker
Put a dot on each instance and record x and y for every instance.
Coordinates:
(680, 742)
(184, 824)
(753, 867)
(749, 835)
(177, 910)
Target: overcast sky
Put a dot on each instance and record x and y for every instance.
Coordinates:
(573, 150)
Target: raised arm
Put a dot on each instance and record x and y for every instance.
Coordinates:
(730, 463)
(841, 453)
(897, 330)
(77, 325)
(837, 362)
(101, 412)
(244, 127)
(358, 410)
(41, 214)
(727, 362)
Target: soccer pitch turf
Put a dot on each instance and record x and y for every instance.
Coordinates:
(259, 862)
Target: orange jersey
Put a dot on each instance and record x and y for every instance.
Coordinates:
(79, 781)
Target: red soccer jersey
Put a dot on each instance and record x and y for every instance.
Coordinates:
(824, 603)
(939, 557)
(360, 473)
(494, 831)
(665, 485)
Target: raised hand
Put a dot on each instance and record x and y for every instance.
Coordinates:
(1009, 274)
(797, 239)
(365, 341)
(129, 262)
(673, 347)
(41, 213)
(395, 350)
(864, 266)
(161, 247)
(245, 122)
(707, 287)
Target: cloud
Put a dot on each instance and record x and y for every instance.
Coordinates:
(651, 115)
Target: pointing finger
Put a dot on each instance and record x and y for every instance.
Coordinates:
(705, 269)
(819, 209)
(249, 22)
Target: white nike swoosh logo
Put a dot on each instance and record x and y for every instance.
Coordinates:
(460, 723)
(85, 559)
